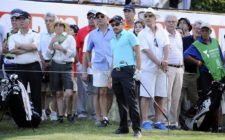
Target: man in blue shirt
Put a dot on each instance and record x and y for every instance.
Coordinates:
(99, 40)
(189, 94)
(126, 56)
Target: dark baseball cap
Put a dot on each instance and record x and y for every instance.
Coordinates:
(116, 18)
(129, 7)
(25, 14)
(16, 12)
(91, 12)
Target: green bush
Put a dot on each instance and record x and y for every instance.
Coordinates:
(208, 5)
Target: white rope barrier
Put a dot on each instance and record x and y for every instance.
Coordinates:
(48, 71)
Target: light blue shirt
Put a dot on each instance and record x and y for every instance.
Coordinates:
(100, 42)
(122, 46)
(45, 39)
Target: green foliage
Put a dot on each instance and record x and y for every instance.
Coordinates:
(208, 5)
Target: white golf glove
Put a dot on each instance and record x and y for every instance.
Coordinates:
(137, 75)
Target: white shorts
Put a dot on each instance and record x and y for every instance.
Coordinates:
(100, 78)
(154, 83)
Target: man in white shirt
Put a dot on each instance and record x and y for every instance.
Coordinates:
(45, 39)
(154, 48)
(175, 70)
(24, 45)
(2, 35)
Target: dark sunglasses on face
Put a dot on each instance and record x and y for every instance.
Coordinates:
(146, 16)
(15, 18)
(116, 24)
(126, 10)
(21, 18)
(91, 17)
(100, 16)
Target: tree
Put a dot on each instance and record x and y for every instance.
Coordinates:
(208, 5)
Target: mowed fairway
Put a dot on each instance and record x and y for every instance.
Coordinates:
(85, 130)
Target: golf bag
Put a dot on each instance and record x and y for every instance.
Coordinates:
(15, 97)
(201, 116)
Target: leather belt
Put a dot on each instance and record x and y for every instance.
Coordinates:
(124, 68)
(176, 66)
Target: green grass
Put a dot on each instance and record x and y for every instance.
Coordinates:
(85, 130)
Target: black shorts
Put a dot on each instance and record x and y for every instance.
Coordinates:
(61, 76)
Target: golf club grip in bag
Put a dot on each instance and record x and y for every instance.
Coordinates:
(18, 113)
(205, 108)
(23, 112)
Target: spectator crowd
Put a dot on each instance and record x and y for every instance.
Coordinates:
(135, 60)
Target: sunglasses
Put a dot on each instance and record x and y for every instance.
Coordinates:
(91, 17)
(15, 18)
(126, 10)
(156, 43)
(116, 24)
(101, 16)
(22, 18)
(146, 16)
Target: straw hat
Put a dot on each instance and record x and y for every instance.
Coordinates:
(60, 21)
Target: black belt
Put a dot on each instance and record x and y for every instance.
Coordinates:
(176, 66)
(47, 61)
(124, 68)
(29, 64)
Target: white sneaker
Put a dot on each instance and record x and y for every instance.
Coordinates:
(44, 116)
(82, 116)
(53, 116)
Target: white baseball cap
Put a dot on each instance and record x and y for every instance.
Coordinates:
(150, 10)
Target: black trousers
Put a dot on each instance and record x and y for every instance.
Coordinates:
(124, 88)
(32, 73)
(211, 119)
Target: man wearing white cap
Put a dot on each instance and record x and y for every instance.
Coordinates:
(99, 41)
(206, 54)
(154, 48)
